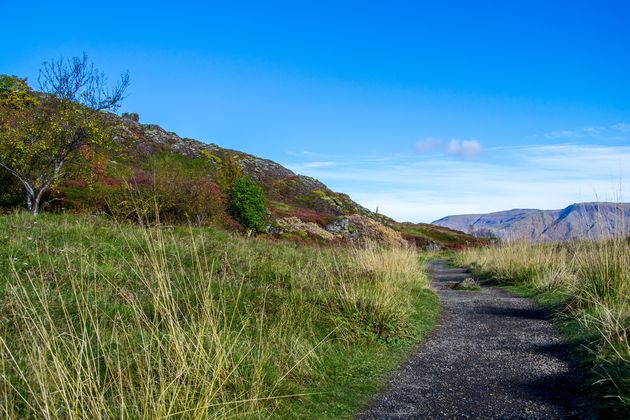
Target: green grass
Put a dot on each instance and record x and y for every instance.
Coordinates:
(354, 376)
(587, 286)
(106, 320)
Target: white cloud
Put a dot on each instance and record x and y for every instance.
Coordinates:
(614, 132)
(466, 149)
(564, 134)
(428, 145)
(593, 130)
(317, 164)
(427, 188)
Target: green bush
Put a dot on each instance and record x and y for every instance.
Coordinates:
(247, 203)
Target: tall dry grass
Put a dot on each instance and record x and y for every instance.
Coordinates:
(371, 291)
(148, 323)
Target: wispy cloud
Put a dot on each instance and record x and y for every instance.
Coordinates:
(624, 127)
(429, 144)
(316, 164)
(564, 134)
(428, 187)
(614, 132)
(464, 149)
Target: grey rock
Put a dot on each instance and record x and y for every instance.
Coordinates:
(466, 284)
(261, 169)
(274, 230)
(433, 247)
(340, 225)
(133, 116)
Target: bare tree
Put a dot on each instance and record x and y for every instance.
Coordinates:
(39, 136)
(78, 81)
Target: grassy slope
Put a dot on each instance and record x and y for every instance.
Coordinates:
(587, 286)
(101, 320)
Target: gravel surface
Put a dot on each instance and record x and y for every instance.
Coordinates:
(492, 356)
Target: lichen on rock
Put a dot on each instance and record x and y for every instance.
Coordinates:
(295, 225)
(371, 230)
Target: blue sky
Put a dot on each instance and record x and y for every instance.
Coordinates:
(422, 108)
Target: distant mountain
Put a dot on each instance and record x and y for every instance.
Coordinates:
(577, 221)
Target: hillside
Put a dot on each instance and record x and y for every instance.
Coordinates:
(577, 221)
(184, 175)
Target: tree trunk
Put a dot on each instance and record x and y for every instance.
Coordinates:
(34, 200)
(35, 210)
(29, 201)
(34, 196)
(38, 200)
(32, 203)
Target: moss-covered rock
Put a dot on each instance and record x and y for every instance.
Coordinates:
(295, 225)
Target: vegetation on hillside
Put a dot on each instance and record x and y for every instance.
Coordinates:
(588, 285)
(41, 133)
(120, 167)
(116, 320)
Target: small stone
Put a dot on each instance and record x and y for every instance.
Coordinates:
(467, 284)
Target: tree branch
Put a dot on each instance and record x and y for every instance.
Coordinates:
(22, 179)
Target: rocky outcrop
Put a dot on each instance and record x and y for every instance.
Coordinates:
(371, 230)
(360, 227)
(295, 225)
(577, 221)
(263, 170)
(352, 228)
(339, 226)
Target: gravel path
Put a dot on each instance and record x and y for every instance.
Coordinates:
(492, 356)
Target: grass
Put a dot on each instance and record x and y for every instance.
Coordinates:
(104, 320)
(587, 285)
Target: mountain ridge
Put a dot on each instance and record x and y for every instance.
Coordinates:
(586, 220)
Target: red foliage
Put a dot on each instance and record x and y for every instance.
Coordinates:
(75, 183)
(306, 215)
(109, 181)
(141, 178)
